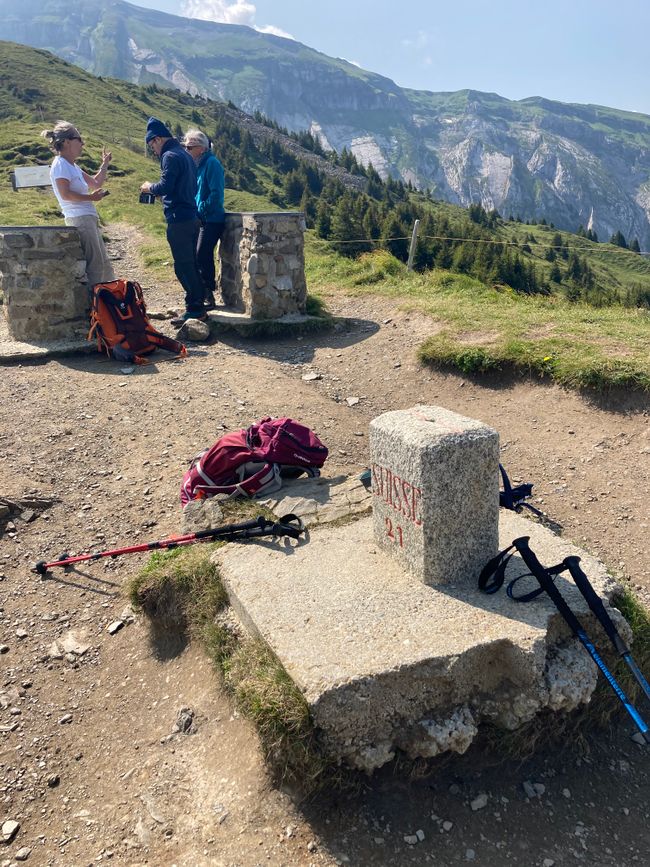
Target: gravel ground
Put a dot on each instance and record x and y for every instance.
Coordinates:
(93, 767)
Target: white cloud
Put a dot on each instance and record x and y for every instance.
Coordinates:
(229, 12)
(275, 31)
(421, 40)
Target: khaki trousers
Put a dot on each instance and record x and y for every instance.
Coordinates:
(98, 265)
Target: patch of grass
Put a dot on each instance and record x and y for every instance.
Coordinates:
(180, 590)
(267, 696)
(182, 594)
(476, 328)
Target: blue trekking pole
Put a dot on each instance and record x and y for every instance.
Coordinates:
(546, 582)
(596, 605)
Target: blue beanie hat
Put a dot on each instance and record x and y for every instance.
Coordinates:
(156, 128)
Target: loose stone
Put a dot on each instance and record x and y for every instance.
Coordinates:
(9, 830)
(479, 802)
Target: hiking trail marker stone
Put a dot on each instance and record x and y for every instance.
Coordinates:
(435, 483)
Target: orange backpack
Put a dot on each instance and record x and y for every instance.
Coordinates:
(119, 321)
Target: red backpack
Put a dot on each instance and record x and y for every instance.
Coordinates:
(119, 321)
(253, 461)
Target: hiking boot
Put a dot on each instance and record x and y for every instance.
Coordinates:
(210, 301)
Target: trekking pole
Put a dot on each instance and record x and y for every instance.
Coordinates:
(546, 582)
(596, 605)
(289, 525)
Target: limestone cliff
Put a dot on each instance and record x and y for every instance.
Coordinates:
(572, 164)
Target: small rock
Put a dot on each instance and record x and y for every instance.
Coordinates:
(53, 781)
(529, 789)
(21, 633)
(194, 329)
(184, 721)
(289, 831)
(128, 615)
(66, 718)
(312, 846)
(638, 738)
(352, 401)
(479, 802)
(310, 377)
(454, 789)
(548, 862)
(566, 793)
(23, 853)
(420, 835)
(447, 826)
(411, 839)
(114, 627)
(9, 830)
(470, 854)
(75, 642)
(4, 648)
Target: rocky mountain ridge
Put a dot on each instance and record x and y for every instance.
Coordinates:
(571, 164)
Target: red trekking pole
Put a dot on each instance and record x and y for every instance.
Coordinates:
(289, 525)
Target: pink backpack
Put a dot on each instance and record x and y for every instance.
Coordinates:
(253, 461)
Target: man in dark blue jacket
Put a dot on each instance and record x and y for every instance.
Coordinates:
(177, 188)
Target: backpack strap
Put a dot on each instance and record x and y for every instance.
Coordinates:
(515, 498)
(264, 481)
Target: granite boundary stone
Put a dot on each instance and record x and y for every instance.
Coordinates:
(435, 480)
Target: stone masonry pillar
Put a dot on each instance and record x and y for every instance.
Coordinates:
(435, 483)
(41, 270)
(263, 264)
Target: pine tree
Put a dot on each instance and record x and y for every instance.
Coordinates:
(618, 238)
(323, 223)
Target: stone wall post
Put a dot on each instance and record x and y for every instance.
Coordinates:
(42, 268)
(263, 264)
(435, 483)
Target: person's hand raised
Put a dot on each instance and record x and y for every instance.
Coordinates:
(107, 156)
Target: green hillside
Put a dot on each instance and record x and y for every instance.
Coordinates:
(478, 272)
(570, 164)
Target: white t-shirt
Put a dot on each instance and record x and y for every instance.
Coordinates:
(61, 168)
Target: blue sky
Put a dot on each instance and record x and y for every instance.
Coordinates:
(573, 51)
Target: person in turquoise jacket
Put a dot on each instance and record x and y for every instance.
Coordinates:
(209, 202)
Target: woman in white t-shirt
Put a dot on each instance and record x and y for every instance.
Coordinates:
(77, 192)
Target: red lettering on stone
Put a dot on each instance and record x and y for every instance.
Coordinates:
(406, 507)
(397, 501)
(399, 493)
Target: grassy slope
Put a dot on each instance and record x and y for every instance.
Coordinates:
(484, 328)
(572, 343)
(108, 112)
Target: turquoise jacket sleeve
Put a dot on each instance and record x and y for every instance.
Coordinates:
(211, 191)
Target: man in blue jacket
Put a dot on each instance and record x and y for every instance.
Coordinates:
(177, 188)
(209, 202)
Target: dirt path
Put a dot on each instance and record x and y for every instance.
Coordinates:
(87, 764)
